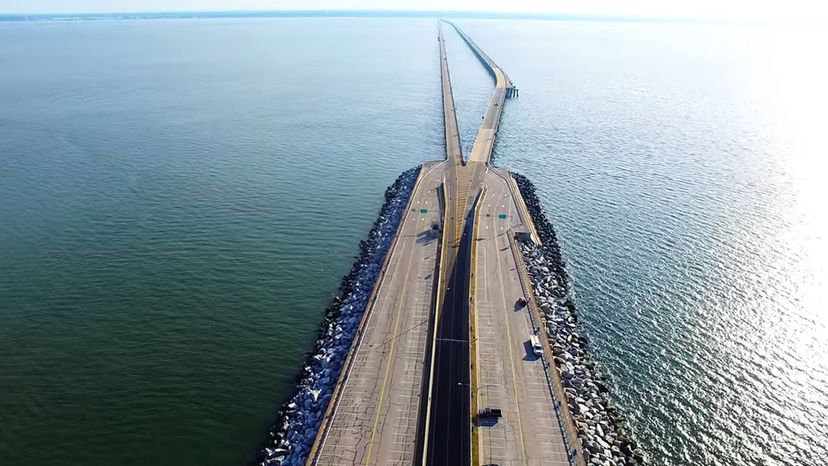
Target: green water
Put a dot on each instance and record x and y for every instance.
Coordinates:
(179, 199)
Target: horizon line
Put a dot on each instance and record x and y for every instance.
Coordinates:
(471, 14)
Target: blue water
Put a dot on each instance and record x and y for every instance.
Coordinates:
(179, 198)
(683, 167)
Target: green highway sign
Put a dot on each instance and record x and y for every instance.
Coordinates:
(423, 211)
(502, 216)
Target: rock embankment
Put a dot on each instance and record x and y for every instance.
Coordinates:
(600, 426)
(291, 438)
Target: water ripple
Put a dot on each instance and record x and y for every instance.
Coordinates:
(681, 210)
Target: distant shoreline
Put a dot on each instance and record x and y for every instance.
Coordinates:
(21, 17)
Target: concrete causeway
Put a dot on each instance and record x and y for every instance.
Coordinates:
(442, 336)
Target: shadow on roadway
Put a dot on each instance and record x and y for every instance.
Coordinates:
(530, 352)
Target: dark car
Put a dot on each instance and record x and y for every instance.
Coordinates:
(491, 413)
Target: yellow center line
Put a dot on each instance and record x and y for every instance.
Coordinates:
(390, 359)
(474, 333)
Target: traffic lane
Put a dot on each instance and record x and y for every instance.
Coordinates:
(484, 142)
(450, 441)
(502, 442)
(452, 133)
(353, 422)
(396, 430)
(494, 109)
(539, 432)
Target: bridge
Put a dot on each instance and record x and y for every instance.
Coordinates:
(442, 337)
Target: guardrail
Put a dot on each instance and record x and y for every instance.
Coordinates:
(453, 144)
(481, 55)
(561, 411)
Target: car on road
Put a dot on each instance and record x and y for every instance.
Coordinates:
(537, 348)
(491, 413)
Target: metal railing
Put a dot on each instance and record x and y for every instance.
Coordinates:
(481, 55)
(571, 453)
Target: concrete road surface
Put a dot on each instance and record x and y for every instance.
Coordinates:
(375, 420)
(484, 143)
(509, 375)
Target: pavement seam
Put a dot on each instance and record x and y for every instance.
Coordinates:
(512, 362)
(342, 383)
(390, 359)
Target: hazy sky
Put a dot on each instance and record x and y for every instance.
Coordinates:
(717, 9)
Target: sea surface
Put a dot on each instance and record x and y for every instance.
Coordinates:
(179, 199)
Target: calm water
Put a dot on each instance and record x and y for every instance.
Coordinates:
(178, 200)
(684, 169)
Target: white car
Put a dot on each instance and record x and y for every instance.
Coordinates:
(536, 345)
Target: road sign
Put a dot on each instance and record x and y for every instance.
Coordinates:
(502, 216)
(423, 211)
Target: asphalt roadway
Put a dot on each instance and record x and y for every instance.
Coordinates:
(404, 395)
(452, 133)
(379, 416)
(449, 441)
(529, 433)
(447, 436)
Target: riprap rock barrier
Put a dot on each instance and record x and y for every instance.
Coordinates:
(290, 440)
(600, 426)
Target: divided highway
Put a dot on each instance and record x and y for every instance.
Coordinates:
(442, 336)
(447, 436)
